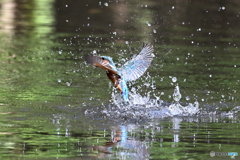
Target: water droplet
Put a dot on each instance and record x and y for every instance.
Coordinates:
(149, 24)
(187, 98)
(127, 42)
(174, 79)
(177, 95)
(172, 7)
(60, 52)
(68, 84)
(59, 80)
(66, 20)
(223, 8)
(154, 31)
(210, 75)
(106, 4)
(66, 5)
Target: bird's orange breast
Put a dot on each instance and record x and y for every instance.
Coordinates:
(114, 78)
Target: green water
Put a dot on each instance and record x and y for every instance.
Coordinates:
(55, 106)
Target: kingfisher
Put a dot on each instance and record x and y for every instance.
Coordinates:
(130, 71)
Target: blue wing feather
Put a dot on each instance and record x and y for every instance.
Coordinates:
(136, 67)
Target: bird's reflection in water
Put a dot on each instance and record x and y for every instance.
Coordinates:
(122, 146)
(112, 143)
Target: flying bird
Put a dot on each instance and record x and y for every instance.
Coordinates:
(130, 71)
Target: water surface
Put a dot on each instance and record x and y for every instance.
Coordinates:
(55, 106)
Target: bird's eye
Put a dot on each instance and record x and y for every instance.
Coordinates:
(103, 58)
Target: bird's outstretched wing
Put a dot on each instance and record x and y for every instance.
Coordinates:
(100, 62)
(136, 67)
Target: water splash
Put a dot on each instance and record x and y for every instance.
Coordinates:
(177, 109)
(147, 107)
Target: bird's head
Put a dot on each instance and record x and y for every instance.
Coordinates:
(109, 59)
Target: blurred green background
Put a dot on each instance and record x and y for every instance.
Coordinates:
(51, 101)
